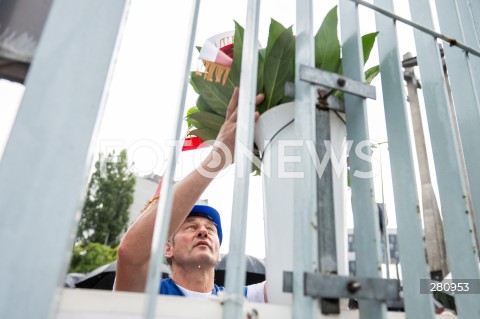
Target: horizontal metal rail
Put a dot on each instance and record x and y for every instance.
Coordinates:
(334, 286)
(337, 82)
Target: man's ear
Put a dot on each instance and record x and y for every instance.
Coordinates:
(168, 252)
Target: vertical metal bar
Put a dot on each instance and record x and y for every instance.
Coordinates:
(458, 140)
(474, 6)
(471, 38)
(466, 17)
(407, 206)
(365, 216)
(47, 160)
(235, 272)
(327, 247)
(338, 135)
(464, 78)
(162, 221)
(460, 242)
(305, 188)
(386, 240)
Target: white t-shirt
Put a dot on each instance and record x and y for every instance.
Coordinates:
(194, 294)
(255, 293)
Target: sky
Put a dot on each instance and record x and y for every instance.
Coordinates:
(145, 91)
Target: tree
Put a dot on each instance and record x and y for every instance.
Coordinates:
(86, 258)
(105, 213)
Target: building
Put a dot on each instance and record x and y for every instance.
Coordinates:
(393, 258)
(145, 187)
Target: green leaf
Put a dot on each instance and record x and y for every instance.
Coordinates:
(203, 106)
(208, 120)
(192, 123)
(216, 95)
(371, 73)
(192, 110)
(368, 40)
(235, 71)
(261, 67)
(195, 88)
(327, 45)
(278, 69)
(276, 29)
(286, 99)
(205, 134)
(234, 76)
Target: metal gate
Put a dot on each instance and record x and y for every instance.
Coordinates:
(22, 206)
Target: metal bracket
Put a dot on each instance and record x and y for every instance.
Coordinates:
(327, 83)
(337, 82)
(325, 100)
(334, 286)
(326, 248)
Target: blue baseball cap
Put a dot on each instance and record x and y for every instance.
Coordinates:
(210, 213)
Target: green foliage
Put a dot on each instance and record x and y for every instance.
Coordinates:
(279, 65)
(371, 73)
(110, 193)
(86, 258)
(205, 119)
(207, 124)
(190, 122)
(327, 45)
(234, 75)
(214, 94)
(276, 66)
(368, 40)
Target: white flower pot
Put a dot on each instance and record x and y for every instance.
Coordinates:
(278, 196)
(274, 131)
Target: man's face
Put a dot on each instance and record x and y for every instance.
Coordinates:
(195, 244)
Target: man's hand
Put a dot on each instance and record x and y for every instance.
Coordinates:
(225, 141)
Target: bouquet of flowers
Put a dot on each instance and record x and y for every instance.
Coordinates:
(220, 62)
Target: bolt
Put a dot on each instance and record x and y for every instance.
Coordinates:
(341, 82)
(252, 314)
(320, 94)
(452, 42)
(353, 286)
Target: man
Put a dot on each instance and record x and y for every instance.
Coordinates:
(194, 237)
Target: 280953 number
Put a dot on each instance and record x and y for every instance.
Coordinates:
(449, 286)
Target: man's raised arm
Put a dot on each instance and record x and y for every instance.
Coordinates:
(135, 247)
